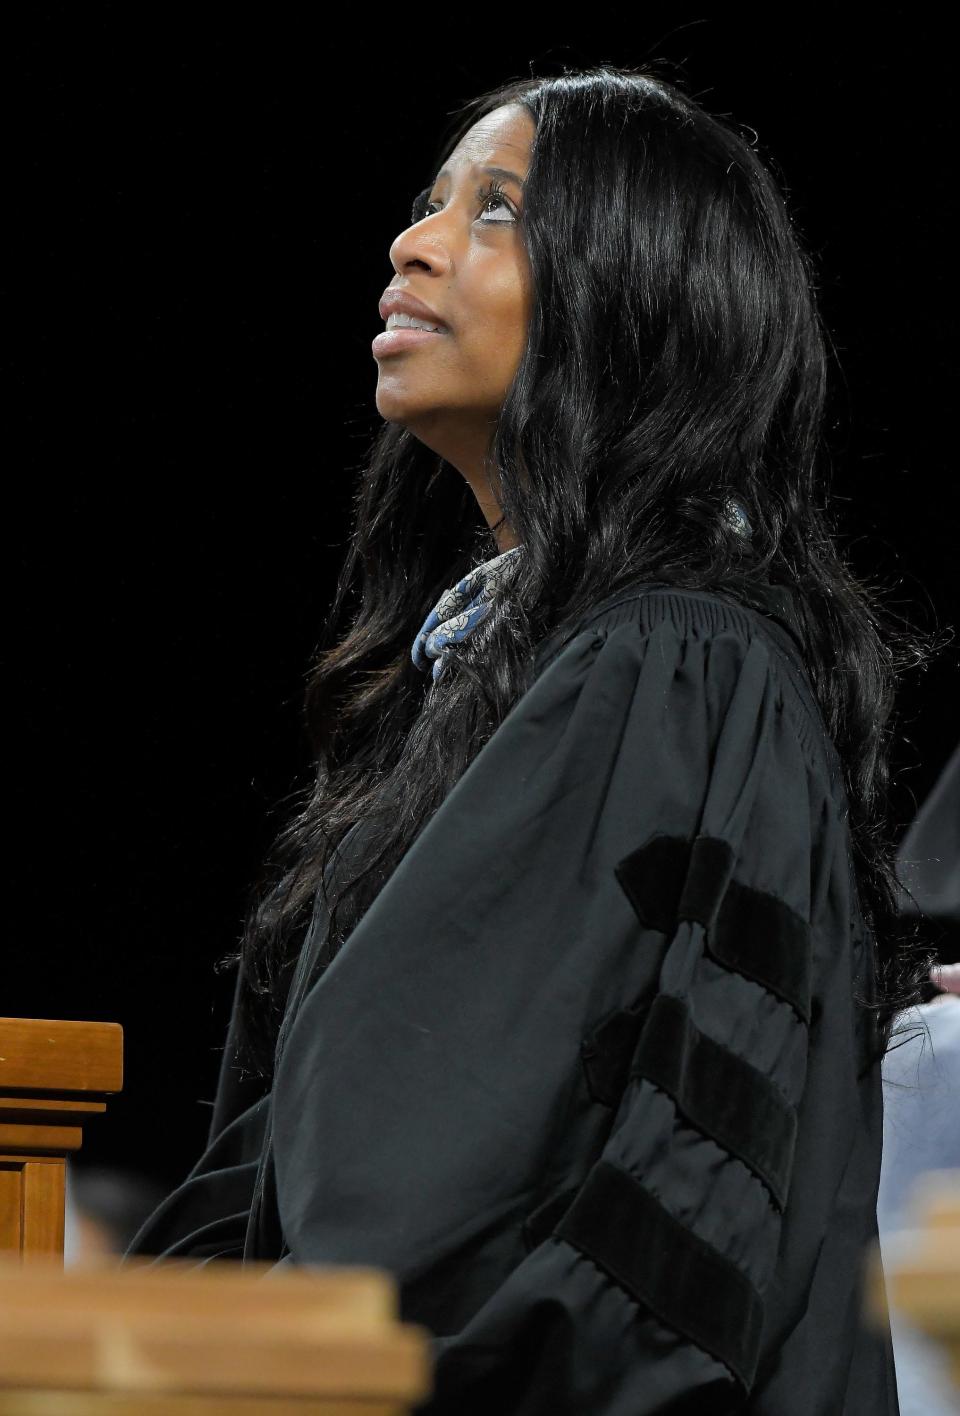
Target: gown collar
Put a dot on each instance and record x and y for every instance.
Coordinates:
(467, 604)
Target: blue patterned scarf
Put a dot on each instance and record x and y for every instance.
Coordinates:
(458, 612)
(466, 604)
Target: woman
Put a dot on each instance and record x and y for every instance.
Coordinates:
(564, 994)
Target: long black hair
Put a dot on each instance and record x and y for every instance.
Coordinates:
(675, 356)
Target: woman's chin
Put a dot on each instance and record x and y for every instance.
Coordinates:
(398, 403)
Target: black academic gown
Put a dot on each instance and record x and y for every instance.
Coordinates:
(589, 1078)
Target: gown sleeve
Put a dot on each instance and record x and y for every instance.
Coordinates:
(615, 900)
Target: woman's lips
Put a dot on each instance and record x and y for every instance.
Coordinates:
(396, 341)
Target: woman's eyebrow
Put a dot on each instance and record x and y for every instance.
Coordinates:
(502, 172)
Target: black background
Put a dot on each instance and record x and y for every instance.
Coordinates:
(198, 215)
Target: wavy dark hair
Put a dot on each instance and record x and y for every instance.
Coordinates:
(675, 357)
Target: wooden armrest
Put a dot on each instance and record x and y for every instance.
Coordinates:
(222, 1337)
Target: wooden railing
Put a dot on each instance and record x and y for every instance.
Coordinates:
(54, 1075)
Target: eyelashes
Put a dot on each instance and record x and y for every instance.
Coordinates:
(421, 203)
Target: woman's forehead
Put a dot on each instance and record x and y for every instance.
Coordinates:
(497, 138)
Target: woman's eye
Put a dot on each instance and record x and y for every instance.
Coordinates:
(421, 208)
(493, 193)
(497, 196)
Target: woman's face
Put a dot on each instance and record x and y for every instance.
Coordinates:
(465, 260)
